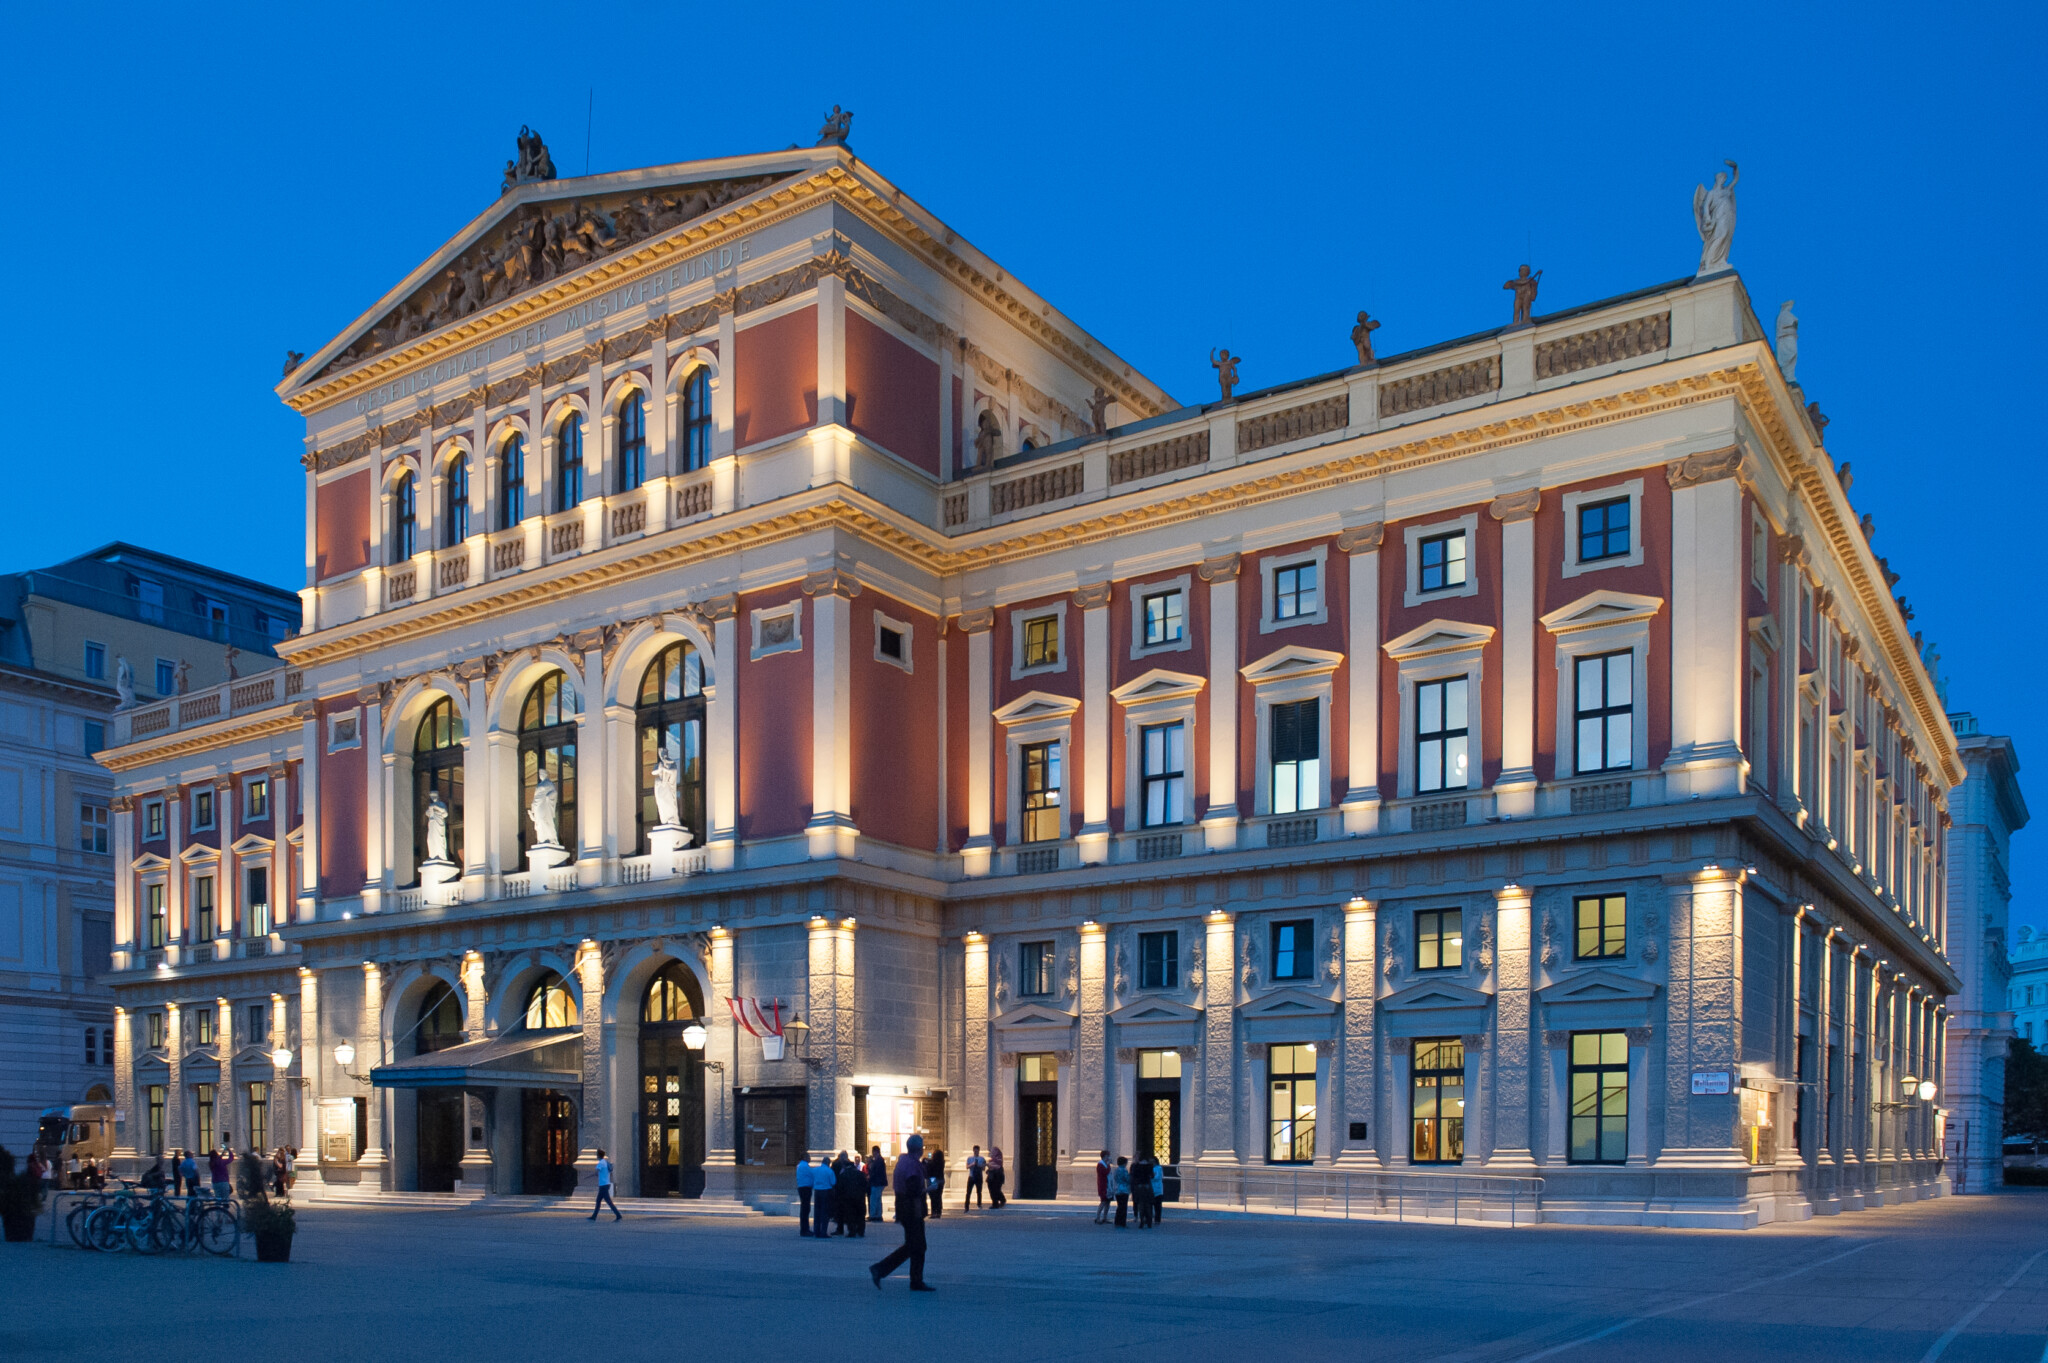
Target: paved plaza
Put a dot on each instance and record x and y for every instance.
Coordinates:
(1966, 1274)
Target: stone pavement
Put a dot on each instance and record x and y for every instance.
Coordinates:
(1967, 1276)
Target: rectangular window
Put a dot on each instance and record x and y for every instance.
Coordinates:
(1041, 792)
(92, 1045)
(1163, 618)
(1437, 1133)
(95, 737)
(203, 1096)
(106, 1045)
(1159, 1064)
(1034, 969)
(1602, 926)
(1440, 735)
(1158, 960)
(158, 1035)
(215, 613)
(1439, 939)
(1603, 530)
(1294, 950)
(156, 913)
(166, 676)
(1294, 591)
(156, 1119)
(1291, 1109)
(96, 661)
(153, 820)
(149, 599)
(259, 1022)
(255, 900)
(1163, 773)
(202, 808)
(202, 909)
(1442, 562)
(1038, 1069)
(1296, 746)
(1042, 641)
(257, 800)
(1599, 1079)
(259, 1116)
(92, 827)
(1606, 712)
(202, 1025)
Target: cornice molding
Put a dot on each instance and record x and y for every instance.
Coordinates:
(266, 724)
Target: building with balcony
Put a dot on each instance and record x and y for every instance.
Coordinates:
(730, 595)
(71, 636)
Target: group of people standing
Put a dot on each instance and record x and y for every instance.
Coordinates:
(183, 1177)
(1143, 1181)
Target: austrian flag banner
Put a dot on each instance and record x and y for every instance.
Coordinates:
(761, 1018)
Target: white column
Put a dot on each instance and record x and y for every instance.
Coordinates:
(307, 1063)
(1220, 819)
(724, 470)
(127, 934)
(831, 832)
(721, 1048)
(722, 735)
(369, 1054)
(477, 804)
(1515, 790)
(831, 351)
(977, 626)
(131, 1123)
(1362, 645)
(1093, 602)
(975, 1029)
(1707, 625)
(594, 816)
(1215, 1101)
(596, 1092)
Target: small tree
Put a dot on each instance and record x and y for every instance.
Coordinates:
(2026, 1091)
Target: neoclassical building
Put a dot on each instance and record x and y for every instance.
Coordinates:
(1501, 758)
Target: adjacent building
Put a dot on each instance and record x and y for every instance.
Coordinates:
(66, 634)
(2027, 996)
(772, 681)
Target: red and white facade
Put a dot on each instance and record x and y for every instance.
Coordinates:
(875, 503)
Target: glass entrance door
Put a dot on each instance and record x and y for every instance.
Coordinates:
(440, 1139)
(671, 1115)
(548, 1121)
(1038, 1143)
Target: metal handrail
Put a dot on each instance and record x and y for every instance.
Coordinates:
(1364, 1194)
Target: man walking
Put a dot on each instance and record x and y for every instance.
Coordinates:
(604, 1187)
(804, 1176)
(976, 1166)
(910, 1212)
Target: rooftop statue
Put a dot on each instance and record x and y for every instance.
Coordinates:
(1361, 336)
(1713, 212)
(1225, 366)
(533, 161)
(292, 360)
(124, 684)
(838, 127)
(1098, 410)
(1788, 342)
(1523, 286)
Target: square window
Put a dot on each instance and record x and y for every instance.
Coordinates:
(1159, 962)
(1164, 622)
(1034, 969)
(890, 643)
(1443, 562)
(1294, 745)
(166, 676)
(1294, 950)
(1163, 772)
(1159, 1064)
(153, 820)
(257, 798)
(92, 827)
(1604, 530)
(96, 661)
(1042, 641)
(1602, 926)
(1441, 736)
(1605, 711)
(1439, 939)
(1040, 805)
(1038, 1069)
(1294, 591)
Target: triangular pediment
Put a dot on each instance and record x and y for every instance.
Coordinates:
(1765, 628)
(148, 861)
(1035, 1015)
(1597, 986)
(1295, 660)
(1438, 636)
(199, 852)
(1602, 608)
(1432, 994)
(249, 845)
(1157, 685)
(1154, 1010)
(538, 237)
(1034, 706)
(1283, 1003)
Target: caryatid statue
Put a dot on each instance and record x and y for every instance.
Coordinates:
(437, 827)
(667, 785)
(1788, 342)
(546, 800)
(1713, 212)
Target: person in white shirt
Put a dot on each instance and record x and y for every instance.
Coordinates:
(604, 1187)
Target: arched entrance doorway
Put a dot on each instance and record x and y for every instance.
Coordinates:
(671, 1117)
(440, 1114)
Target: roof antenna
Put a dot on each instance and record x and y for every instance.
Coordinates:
(589, 106)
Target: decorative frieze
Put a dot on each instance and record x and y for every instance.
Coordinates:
(1603, 345)
(1439, 386)
(1295, 423)
(1164, 456)
(1035, 489)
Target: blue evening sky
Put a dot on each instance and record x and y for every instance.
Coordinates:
(190, 193)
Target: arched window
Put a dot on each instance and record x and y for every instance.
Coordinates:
(440, 1022)
(405, 519)
(455, 515)
(437, 755)
(670, 713)
(569, 463)
(632, 441)
(672, 996)
(696, 419)
(547, 742)
(551, 1005)
(512, 482)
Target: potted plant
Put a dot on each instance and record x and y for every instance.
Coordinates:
(271, 1220)
(21, 1199)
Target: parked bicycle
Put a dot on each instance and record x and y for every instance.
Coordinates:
(151, 1222)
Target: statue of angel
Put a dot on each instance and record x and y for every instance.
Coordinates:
(1713, 212)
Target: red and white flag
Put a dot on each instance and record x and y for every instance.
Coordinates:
(758, 1021)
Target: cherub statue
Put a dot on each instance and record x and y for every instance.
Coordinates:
(1225, 366)
(292, 360)
(1523, 286)
(1361, 336)
(838, 127)
(1098, 409)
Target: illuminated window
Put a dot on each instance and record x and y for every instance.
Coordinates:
(155, 912)
(1041, 791)
(670, 717)
(256, 800)
(671, 995)
(202, 1025)
(202, 1095)
(1439, 939)
(547, 743)
(437, 758)
(153, 820)
(158, 1032)
(1038, 1069)
(156, 1119)
(1599, 1079)
(1291, 1104)
(1602, 926)
(203, 924)
(1042, 641)
(1437, 1107)
(259, 1116)
(551, 1005)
